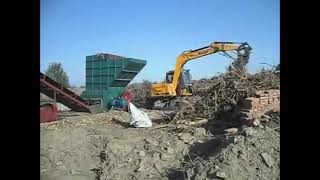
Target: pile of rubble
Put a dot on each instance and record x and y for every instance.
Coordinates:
(252, 153)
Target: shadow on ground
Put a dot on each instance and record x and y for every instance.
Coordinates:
(197, 153)
(121, 123)
(207, 149)
(175, 174)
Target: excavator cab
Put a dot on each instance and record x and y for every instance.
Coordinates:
(169, 76)
(185, 79)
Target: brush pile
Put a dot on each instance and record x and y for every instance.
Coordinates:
(222, 93)
(226, 91)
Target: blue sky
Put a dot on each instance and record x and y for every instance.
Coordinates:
(156, 31)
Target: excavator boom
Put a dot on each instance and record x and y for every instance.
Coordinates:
(193, 54)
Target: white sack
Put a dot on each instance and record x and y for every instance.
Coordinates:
(139, 118)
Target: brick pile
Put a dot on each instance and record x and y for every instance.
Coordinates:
(262, 102)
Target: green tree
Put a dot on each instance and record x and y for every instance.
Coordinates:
(55, 71)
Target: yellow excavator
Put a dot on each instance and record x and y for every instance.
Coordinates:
(178, 82)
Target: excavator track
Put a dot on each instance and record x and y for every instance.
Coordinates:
(178, 103)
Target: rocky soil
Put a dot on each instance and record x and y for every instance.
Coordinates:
(104, 146)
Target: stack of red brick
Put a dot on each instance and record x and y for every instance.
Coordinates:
(254, 107)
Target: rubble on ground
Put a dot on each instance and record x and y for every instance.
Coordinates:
(103, 145)
(254, 155)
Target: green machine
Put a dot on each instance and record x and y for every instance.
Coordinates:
(108, 75)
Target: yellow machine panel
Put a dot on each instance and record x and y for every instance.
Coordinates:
(160, 90)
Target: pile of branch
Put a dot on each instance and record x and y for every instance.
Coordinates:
(225, 91)
(140, 92)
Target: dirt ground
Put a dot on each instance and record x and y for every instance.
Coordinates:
(104, 146)
(254, 153)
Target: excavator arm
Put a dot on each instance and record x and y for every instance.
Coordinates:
(242, 49)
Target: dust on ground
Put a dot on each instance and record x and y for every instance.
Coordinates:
(104, 146)
(254, 153)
